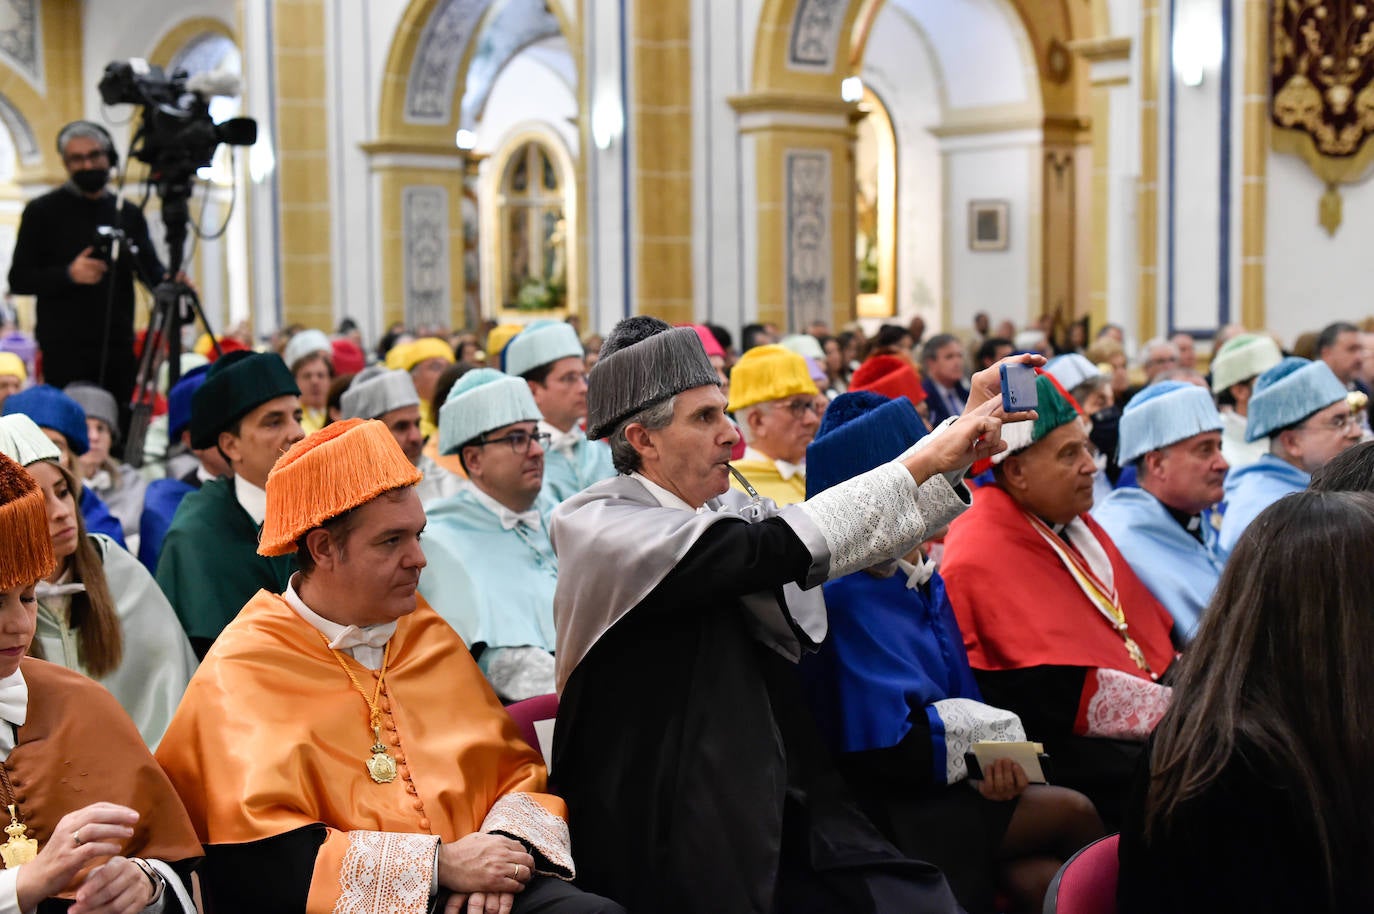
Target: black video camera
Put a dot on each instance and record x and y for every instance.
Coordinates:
(106, 237)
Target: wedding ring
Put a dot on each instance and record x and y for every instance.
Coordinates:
(76, 836)
(517, 873)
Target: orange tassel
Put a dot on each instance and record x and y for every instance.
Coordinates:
(343, 465)
(26, 552)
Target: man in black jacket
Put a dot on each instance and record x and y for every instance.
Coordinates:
(85, 303)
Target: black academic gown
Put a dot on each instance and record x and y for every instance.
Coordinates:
(694, 776)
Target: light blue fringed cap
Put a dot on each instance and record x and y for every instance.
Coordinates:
(540, 343)
(1288, 393)
(1163, 414)
(483, 399)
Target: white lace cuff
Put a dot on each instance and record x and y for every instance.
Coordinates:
(386, 871)
(520, 817)
(1121, 706)
(967, 722)
(517, 673)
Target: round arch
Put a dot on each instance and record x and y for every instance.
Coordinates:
(394, 127)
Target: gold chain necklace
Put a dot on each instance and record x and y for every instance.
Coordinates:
(19, 849)
(381, 766)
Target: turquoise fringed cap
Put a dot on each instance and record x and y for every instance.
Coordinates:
(1288, 393)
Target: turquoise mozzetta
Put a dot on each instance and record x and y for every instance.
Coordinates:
(1249, 490)
(493, 585)
(1178, 570)
(568, 472)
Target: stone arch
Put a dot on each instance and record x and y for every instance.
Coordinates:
(803, 50)
(419, 113)
(422, 87)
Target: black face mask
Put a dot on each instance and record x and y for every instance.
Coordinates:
(91, 180)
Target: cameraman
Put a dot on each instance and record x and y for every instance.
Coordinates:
(85, 303)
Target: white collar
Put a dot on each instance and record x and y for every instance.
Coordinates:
(205, 475)
(509, 519)
(14, 698)
(364, 644)
(785, 470)
(252, 499)
(563, 442)
(661, 495)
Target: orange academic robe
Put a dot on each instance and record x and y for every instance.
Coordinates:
(271, 739)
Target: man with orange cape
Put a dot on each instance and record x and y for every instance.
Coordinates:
(1058, 628)
(338, 749)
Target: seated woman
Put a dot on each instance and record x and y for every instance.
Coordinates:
(95, 825)
(100, 612)
(64, 421)
(1254, 797)
(894, 695)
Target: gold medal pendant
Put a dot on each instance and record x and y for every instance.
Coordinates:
(19, 850)
(381, 766)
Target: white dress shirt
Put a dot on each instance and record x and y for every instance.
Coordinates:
(365, 644)
(253, 499)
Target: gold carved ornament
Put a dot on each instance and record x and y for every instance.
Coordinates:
(1322, 87)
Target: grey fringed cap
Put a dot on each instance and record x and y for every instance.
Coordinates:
(377, 391)
(643, 362)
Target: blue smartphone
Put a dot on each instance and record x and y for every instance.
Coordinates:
(1018, 388)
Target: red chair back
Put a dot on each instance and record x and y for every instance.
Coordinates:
(525, 713)
(1086, 883)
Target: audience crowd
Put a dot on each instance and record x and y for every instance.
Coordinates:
(829, 631)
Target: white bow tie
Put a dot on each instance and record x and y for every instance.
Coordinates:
(374, 636)
(14, 699)
(564, 442)
(512, 519)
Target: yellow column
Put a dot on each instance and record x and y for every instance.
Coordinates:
(1147, 202)
(401, 165)
(298, 34)
(661, 135)
(1107, 57)
(804, 177)
(1255, 146)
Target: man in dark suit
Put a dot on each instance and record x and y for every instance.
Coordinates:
(942, 370)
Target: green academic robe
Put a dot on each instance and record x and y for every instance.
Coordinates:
(210, 567)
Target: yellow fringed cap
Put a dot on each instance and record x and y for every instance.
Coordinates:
(499, 336)
(767, 373)
(27, 554)
(407, 355)
(343, 465)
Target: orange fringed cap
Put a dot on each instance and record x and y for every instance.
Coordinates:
(343, 465)
(26, 555)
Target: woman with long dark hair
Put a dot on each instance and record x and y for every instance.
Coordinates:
(100, 612)
(1256, 797)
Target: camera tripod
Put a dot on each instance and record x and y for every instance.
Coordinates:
(175, 305)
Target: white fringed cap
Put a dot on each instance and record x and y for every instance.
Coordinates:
(376, 391)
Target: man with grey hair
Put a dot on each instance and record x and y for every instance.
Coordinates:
(389, 395)
(694, 777)
(85, 302)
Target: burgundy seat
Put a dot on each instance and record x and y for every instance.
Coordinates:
(525, 713)
(1086, 883)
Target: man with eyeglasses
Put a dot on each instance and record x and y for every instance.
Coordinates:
(549, 356)
(1303, 408)
(773, 400)
(85, 304)
(491, 571)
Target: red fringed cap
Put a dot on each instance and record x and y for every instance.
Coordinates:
(343, 465)
(26, 552)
